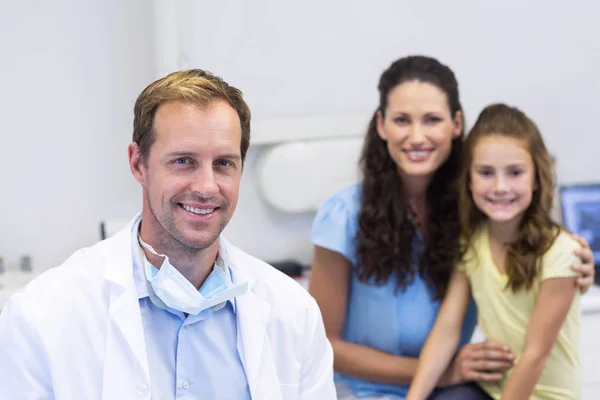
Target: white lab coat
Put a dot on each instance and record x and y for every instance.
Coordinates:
(76, 332)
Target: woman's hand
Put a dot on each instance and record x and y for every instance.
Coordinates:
(587, 267)
(486, 361)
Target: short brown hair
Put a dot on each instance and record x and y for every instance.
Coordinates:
(194, 86)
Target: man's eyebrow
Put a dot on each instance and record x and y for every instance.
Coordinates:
(180, 153)
(231, 156)
(228, 156)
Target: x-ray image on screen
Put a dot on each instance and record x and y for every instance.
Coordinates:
(581, 213)
(589, 222)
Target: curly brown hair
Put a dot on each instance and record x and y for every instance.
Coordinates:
(385, 228)
(537, 230)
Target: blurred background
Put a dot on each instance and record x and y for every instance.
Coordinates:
(71, 70)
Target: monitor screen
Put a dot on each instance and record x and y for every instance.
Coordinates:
(580, 206)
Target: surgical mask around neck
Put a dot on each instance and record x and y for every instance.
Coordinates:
(176, 292)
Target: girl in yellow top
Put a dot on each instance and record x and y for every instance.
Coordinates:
(516, 263)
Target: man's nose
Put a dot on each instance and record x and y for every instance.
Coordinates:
(205, 183)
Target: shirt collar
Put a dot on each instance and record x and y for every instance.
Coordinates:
(141, 282)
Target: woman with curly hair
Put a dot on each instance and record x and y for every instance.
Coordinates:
(385, 248)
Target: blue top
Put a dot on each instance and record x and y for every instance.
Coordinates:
(379, 316)
(189, 358)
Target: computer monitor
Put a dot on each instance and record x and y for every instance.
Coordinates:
(580, 205)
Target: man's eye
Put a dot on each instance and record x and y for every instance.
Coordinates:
(181, 160)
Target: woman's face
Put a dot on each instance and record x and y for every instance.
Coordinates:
(418, 128)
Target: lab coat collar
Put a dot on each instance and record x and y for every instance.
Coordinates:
(119, 266)
(252, 319)
(126, 334)
(138, 257)
(119, 263)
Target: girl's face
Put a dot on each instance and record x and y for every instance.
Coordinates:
(502, 178)
(418, 128)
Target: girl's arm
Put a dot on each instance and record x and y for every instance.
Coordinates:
(551, 309)
(443, 339)
(329, 283)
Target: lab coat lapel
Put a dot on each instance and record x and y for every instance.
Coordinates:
(252, 313)
(126, 372)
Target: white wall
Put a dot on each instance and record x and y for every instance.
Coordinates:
(71, 71)
(319, 58)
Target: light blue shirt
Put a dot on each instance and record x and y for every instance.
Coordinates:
(196, 357)
(378, 316)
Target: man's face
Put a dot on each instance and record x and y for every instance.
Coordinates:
(192, 174)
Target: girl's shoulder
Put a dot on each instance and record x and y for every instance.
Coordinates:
(473, 249)
(559, 258)
(479, 239)
(564, 242)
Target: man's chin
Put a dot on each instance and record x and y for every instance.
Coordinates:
(198, 242)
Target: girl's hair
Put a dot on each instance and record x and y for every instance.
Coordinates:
(385, 230)
(537, 230)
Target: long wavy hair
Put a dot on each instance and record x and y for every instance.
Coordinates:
(537, 230)
(385, 227)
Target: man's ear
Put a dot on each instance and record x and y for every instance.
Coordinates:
(136, 165)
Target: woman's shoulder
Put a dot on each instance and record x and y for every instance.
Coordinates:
(346, 200)
(350, 194)
(336, 223)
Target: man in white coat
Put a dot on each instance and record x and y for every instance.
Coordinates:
(167, 308)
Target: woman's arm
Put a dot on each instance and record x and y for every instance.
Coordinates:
(330, 278)
(443, 339)
(551, 309)
(329, 281)
(485, 361)
(587, 266)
